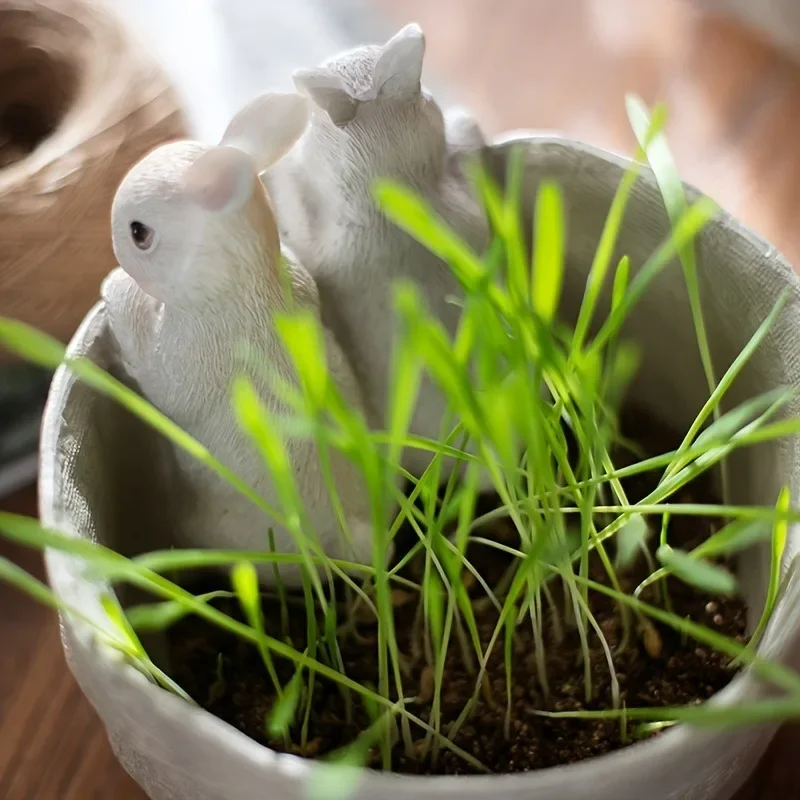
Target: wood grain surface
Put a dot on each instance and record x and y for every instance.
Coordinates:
(562, 65)
(52, 746)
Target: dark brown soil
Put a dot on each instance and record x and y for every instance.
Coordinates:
(228, 678)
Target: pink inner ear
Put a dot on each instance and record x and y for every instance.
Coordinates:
(221, 180)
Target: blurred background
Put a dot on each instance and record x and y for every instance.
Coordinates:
(87, 87)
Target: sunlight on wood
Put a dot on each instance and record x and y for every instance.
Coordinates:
(566, 66)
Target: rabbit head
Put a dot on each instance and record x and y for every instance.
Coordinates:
(190, 218)
(371, 102)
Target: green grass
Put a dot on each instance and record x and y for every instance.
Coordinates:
(520, 384)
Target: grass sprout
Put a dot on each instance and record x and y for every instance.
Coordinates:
(534, 407)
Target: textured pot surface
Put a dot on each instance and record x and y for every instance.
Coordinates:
(104, 476)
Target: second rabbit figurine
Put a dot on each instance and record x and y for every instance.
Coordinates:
(202, 270)
(372, 119)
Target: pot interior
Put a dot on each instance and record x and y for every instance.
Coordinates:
(741, 278)
(116, 481)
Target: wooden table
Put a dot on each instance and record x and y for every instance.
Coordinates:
(566, 65)
(521, 63)
(52, 746)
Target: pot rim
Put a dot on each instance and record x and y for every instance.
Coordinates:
(237, 744)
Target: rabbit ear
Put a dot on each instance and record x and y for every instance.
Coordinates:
(462, 130)
(268, 127)
(328, 91)
(398, 72)
(221, 180)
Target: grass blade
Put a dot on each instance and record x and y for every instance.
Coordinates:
(549, 246)
(780, 534)
(733, 538)
(690, 224)
(727, 380)
(282, 714)
(775, 673)
(630, 540)
(245, 584)
(412, 214)
(671, 186)
(16, 576)
(48, 353)
(696, 572)
(29, 532)
(158, 617)
(608, 240)
(704, 715)
(726, 426)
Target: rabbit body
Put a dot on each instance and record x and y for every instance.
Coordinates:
(372, 119)
(208, 280)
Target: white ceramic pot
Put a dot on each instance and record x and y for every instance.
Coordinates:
(104, 476)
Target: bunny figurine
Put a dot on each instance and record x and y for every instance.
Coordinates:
(202, 271)
(372, 119)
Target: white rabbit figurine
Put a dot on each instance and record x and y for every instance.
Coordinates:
(372, 119)
(195, 236)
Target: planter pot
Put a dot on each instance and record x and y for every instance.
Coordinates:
(105, 477)
(80, 103)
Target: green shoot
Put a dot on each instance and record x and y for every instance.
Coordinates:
(780, 533)
(533, 410)
(245, 584)
(697, 572)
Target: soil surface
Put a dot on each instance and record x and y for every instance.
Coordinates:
(228, 678)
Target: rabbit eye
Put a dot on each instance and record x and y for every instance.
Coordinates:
(142, 235)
